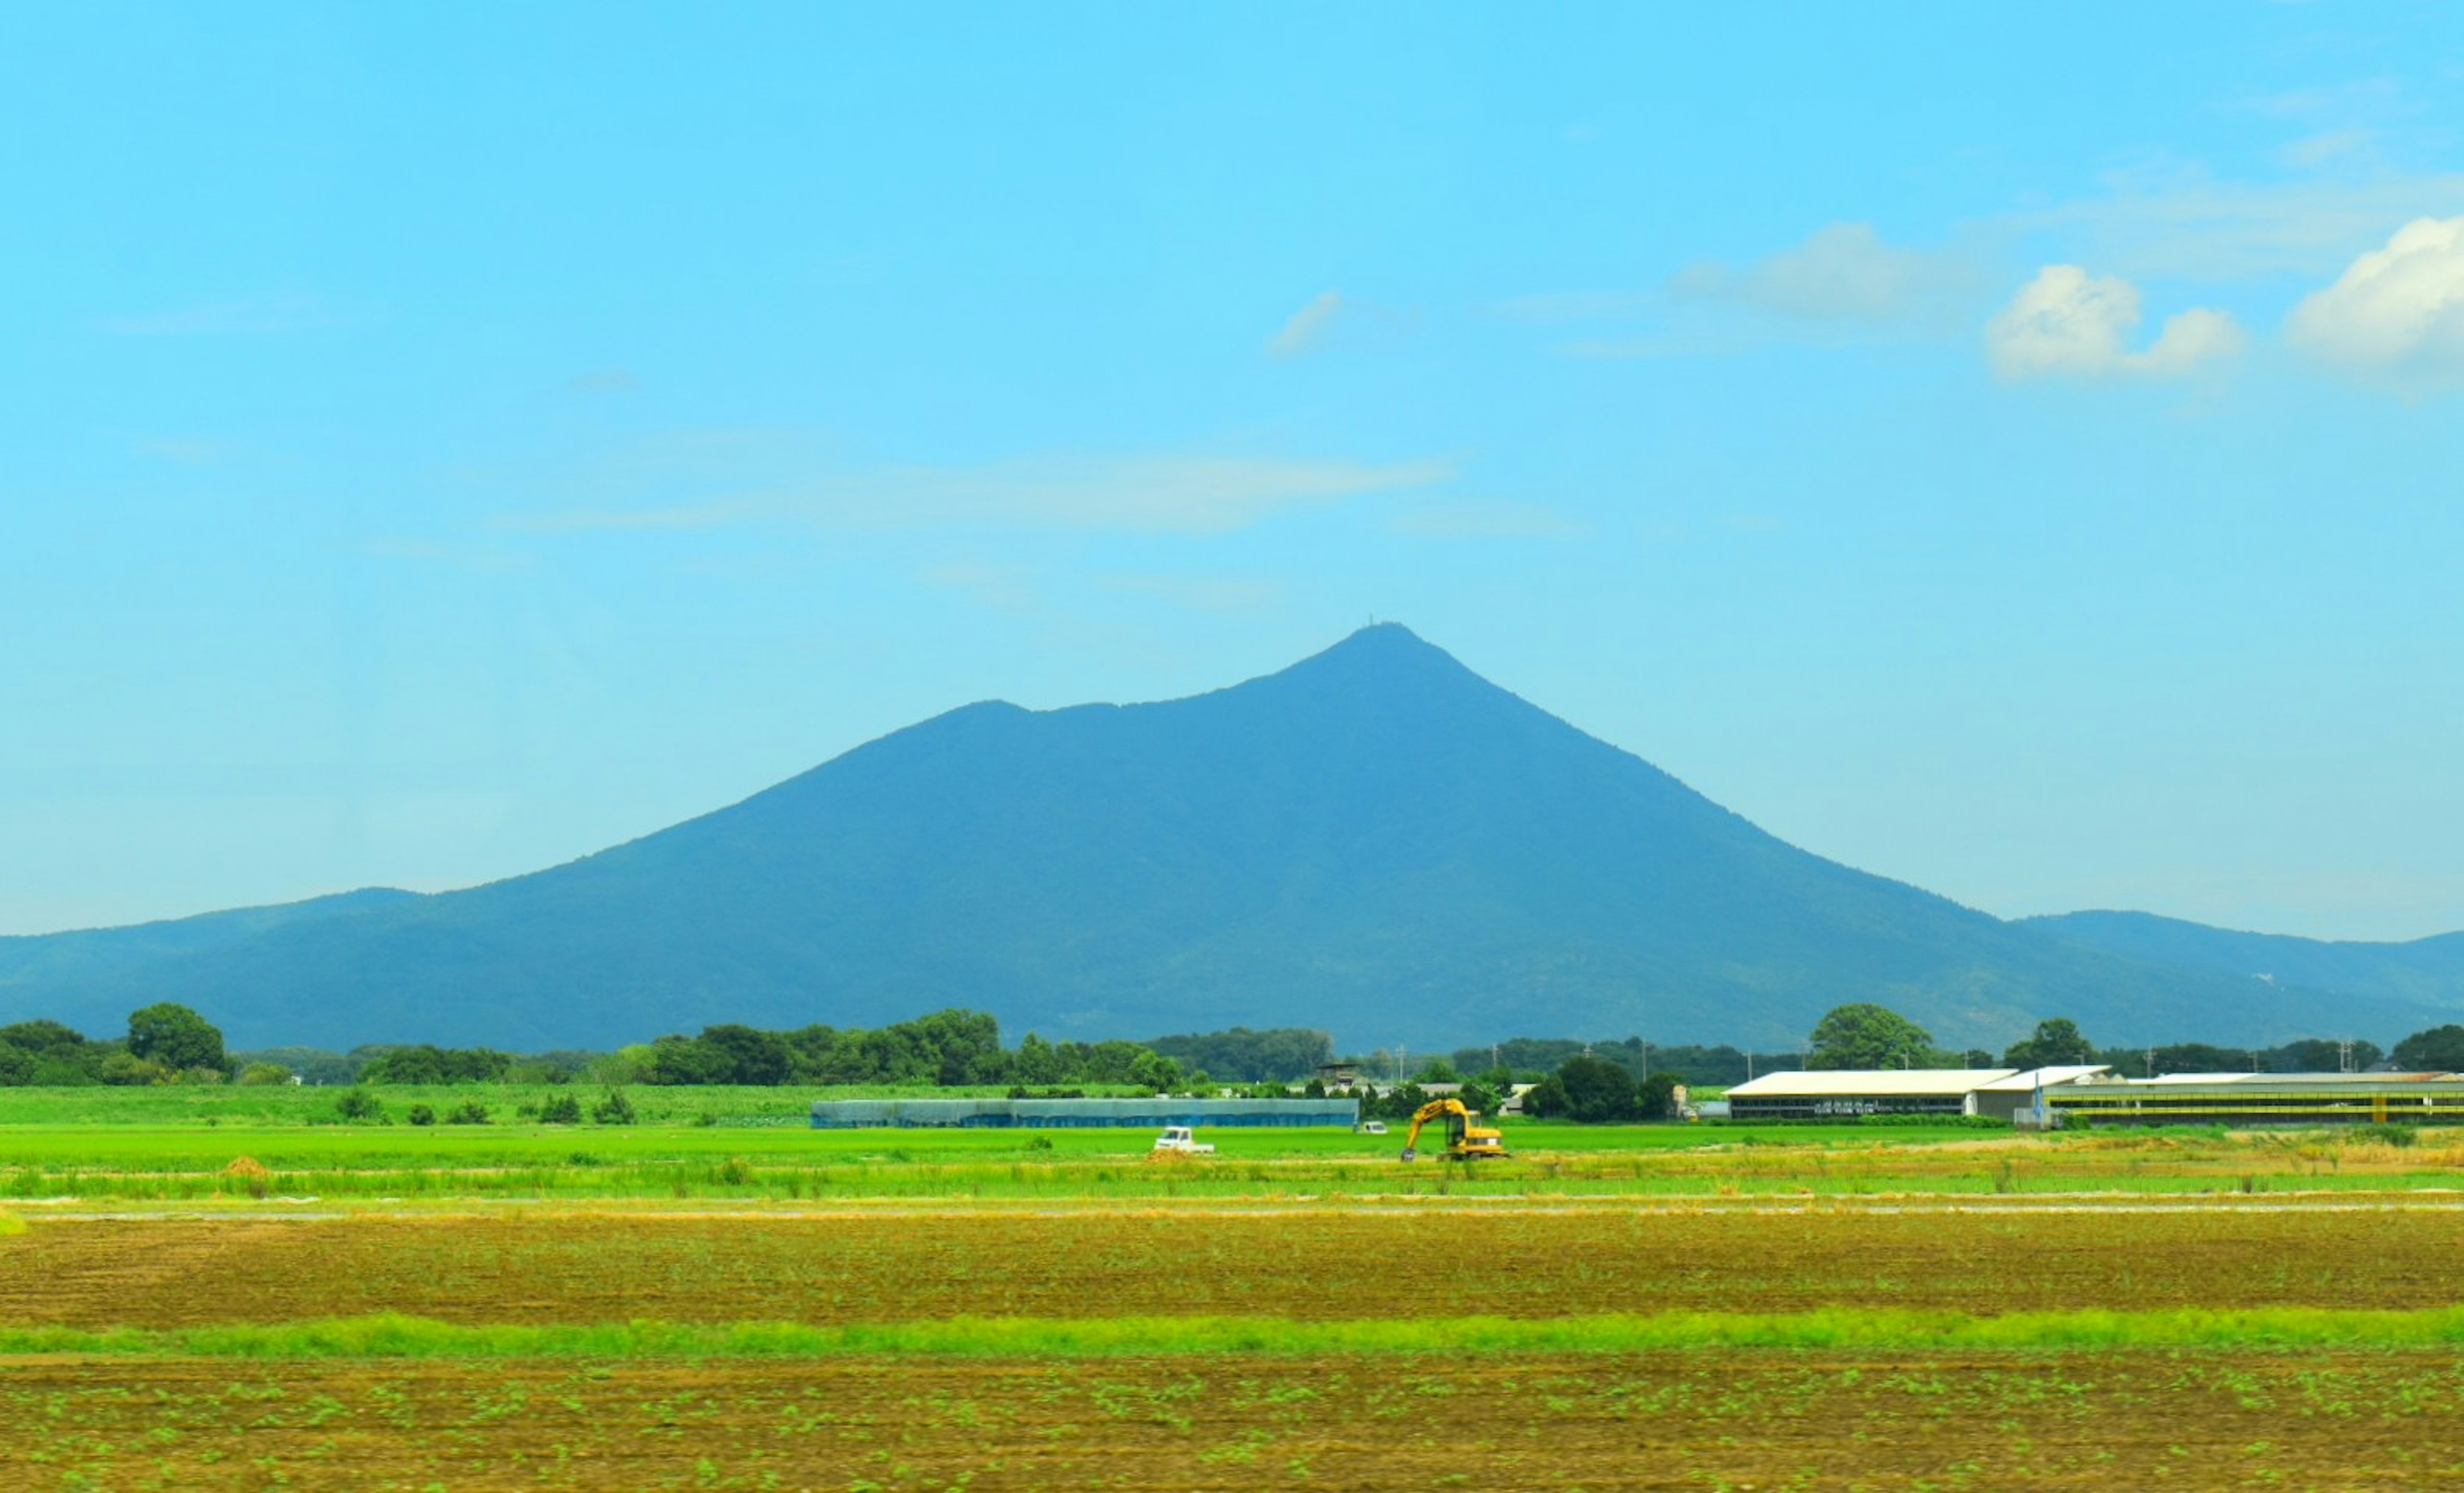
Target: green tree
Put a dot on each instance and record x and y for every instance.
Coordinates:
(174, 1036)
(2438, 1050)
(1547, 1100)
(1597, 1091)
(1656, 1097)
(2316, 1055)
(1867, 1035)
(260, 1074)
(2056, 1041)
(123, 1067)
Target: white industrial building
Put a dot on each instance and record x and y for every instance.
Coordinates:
(1840, 1093)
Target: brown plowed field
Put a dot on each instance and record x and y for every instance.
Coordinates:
(604, 1267)
(1724, 1420)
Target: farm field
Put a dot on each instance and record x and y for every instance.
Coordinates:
(1299, 1264)
(683, 1304)
(1737, 1419)
(197, 1161)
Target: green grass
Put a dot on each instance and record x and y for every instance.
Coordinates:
(173, 1146)
(394, 1336)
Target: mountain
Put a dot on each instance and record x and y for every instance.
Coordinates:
(1375, 840)
(2427, 971)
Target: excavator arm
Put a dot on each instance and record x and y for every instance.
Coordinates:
(1464, 1141)
(1429, 1111)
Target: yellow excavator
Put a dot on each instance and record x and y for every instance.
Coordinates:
(1464, 1140)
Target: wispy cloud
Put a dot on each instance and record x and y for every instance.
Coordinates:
(1333, 318)
(605, 381)
(2067, 324)
(2175, 221)
(1842, 273)
(460, 557)
(1841, 284)
(190, 450)
(1202, 592)
(1178, 494)
(1002, 587)
(1484, 519)
(2397, 312)
(1308, 327)
(262, 315)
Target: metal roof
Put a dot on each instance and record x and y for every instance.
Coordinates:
(1878, 1082)
(2048, 1076)
(2352, 1080)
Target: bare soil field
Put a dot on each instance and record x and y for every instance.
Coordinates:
(1698, 1422)
(612, 1266)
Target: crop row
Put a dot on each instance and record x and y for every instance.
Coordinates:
(1884, 1422)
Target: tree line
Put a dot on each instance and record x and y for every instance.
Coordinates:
(170, 1043)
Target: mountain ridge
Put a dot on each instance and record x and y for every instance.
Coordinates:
(1374, 839)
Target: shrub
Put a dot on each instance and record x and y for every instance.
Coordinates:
(261, 1075)
(470, 1112)
(422, 1114)
(614, 1109)
(357, 1105)
(2397, 1135)
(563, 1109)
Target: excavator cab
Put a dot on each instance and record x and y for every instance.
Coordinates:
(1464, 1140)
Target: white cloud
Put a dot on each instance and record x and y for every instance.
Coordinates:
(2174, 220)
(1308, 327)
(2397, 311)
(1183, 495)
(1843, 271)
(2068, 324)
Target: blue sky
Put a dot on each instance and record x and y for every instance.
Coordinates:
(2009, 448)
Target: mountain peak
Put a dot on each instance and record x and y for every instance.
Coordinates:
(1382, 653)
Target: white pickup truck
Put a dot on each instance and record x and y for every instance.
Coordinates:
(1178, 1138)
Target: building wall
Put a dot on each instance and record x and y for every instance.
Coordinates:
(2258, 1102)
(1835, 1106)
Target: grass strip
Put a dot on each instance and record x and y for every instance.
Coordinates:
(394, 1336)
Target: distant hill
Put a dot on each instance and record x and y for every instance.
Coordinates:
(2427, 971)
(1375, 841)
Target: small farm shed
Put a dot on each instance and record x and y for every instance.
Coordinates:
(1147, 1114)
